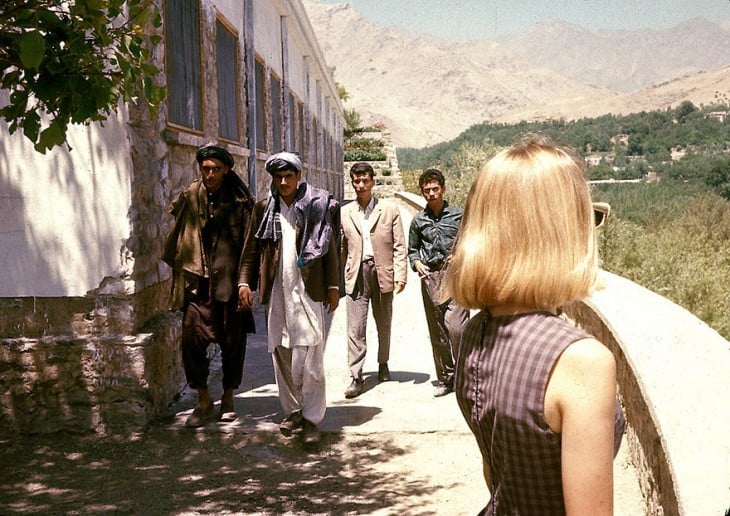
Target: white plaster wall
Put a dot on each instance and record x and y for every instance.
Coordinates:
(64, 215)
(233, 12)
(267, 32)
(297, 69)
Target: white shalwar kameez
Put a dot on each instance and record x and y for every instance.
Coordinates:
(296, 332)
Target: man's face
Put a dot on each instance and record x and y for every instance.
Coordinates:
(433, 192)
(213, 171)
(286, 182)
(363, 185)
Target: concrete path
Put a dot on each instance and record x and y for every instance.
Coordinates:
(398, 411)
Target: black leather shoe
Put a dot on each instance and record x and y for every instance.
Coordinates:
(383, 373)
(355, 388)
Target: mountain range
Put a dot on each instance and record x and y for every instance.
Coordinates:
(428, 90)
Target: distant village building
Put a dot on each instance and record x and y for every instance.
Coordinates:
(595, 159)
(620, 140)
(86, 338)
(718, 115)
(677, 152)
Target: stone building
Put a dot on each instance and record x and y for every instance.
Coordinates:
(86, 338)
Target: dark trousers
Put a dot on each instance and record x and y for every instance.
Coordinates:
(446, 323)
(206, 322)
(367, 292)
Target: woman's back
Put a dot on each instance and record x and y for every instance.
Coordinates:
(504, 366)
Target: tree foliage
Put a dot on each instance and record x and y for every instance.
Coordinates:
(633, 145)
(671, 236)
(352, 121)
(72, 62)
(673, 239)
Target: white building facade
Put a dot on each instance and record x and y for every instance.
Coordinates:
(83, 293)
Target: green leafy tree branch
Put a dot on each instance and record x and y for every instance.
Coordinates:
(72, 62)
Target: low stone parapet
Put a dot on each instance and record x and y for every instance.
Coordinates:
(674, 379)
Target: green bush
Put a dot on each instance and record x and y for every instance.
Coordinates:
(677, 245)
(364, 143)
(364, 155)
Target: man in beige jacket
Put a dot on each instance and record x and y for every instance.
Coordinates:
(374, 253)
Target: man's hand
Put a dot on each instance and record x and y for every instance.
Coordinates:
(399, 286)
(245, 298)
(333, 300)
(421, 269)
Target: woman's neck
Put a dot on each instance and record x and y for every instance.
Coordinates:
(502, 310)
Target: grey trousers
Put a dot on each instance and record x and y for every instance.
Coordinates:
(367, 292)
(446, 323)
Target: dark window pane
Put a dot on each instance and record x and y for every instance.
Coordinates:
(226, 52)
(182, 63)
(302, 129)
(292, 122)
(260, 102)
(276, 113)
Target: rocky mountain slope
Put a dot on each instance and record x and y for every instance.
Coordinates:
(429, 90)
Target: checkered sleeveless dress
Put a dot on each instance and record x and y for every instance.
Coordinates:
(502, 370)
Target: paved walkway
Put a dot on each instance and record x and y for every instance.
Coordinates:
(400, 410)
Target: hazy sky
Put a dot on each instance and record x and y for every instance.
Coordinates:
(461, 20)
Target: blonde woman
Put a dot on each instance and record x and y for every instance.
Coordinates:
(538, 393)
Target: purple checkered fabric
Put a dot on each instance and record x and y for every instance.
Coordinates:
(502, 371)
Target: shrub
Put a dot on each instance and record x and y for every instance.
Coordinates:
(364, 155)
(364, 143)
(678, 249)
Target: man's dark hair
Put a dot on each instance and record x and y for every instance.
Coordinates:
(431, 174)
(213, 151)
(362, 168)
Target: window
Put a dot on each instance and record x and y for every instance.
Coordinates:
(302, 134)
(291, 142)
(260, 103)
(182, 63)
(276, 113)
(226, 46)
(315, 143)
(326, 151)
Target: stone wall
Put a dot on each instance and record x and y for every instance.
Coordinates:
(672, 372)
(72, 384)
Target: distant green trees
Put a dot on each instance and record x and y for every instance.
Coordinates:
(674, 239)
(632, 145)
(671, 236)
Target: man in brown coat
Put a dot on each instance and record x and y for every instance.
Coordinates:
(291, 258)
(211, 219)
(376, 265)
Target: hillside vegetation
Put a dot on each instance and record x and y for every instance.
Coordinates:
(671, 235)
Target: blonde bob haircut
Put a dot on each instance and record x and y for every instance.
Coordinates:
(527, 238)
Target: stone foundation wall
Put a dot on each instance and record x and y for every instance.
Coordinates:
(88, 364)
(89, 384)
